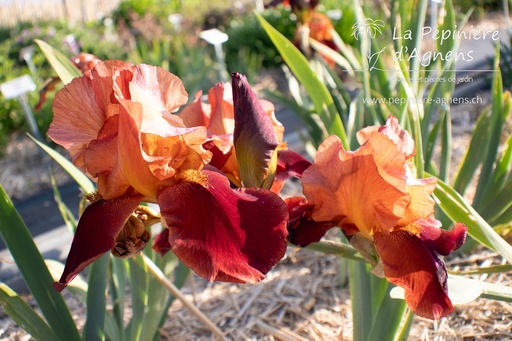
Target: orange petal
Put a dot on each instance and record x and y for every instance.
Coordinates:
(391, 129)
(349, 188)
(220, 98)
(79, 115)
(421, 205)
(196, 113)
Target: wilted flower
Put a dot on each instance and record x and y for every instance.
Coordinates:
(118, 124)
(386, 213)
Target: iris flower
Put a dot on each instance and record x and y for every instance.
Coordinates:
(118, 124)
(386, 213)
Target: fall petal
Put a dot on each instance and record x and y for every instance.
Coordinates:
(409, 263)
(95, 234)
(290, 163)
(302, 229)
(161, 242)
(442, 241)
(254, 136)
(221, 233)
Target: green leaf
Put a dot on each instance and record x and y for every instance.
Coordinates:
(317, 91)
(96, 300)
(24, 315)
(60, 63)
(65, 212)
(34, 271)
(458, 210)
(139, 280)
(83, 181)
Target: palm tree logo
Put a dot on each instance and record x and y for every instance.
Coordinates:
(368, 29)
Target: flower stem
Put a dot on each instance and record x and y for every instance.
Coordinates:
(159, 275)
(335, 248)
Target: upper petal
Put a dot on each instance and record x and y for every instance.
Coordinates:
(351, 188)
(220, 233)
(95, 234)
(409, 263)
(392, 130)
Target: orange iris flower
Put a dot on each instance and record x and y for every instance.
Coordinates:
(372, 195)
(118, 122)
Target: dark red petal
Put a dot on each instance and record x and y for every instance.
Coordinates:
(161, 242)
(224, 234)
(254, 137)
(290, 163)
(301, 228)
(442, 241)
(409, 263)
(95, 234)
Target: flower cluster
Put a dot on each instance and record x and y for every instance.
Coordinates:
(216, 169)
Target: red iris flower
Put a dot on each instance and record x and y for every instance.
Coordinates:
(386, 213)
(118, 124)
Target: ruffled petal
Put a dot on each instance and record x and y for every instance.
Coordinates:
(95, 234)
(409, 263)
(351, 189)
(391, 129)
(254, 137)
(158, 89)
(78, 118)
(220, 233)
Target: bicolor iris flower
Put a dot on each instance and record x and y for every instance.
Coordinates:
(119, 124)
(383, 209)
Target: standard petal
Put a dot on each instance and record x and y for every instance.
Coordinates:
(254, 137)
(352, 189)
(409, 263)
(78, 117)
(392, 130)
(157, 89)
(95, 234)
(220, 233)
(196, 113)
(222, 120)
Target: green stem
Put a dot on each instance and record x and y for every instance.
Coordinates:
(338, 249)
